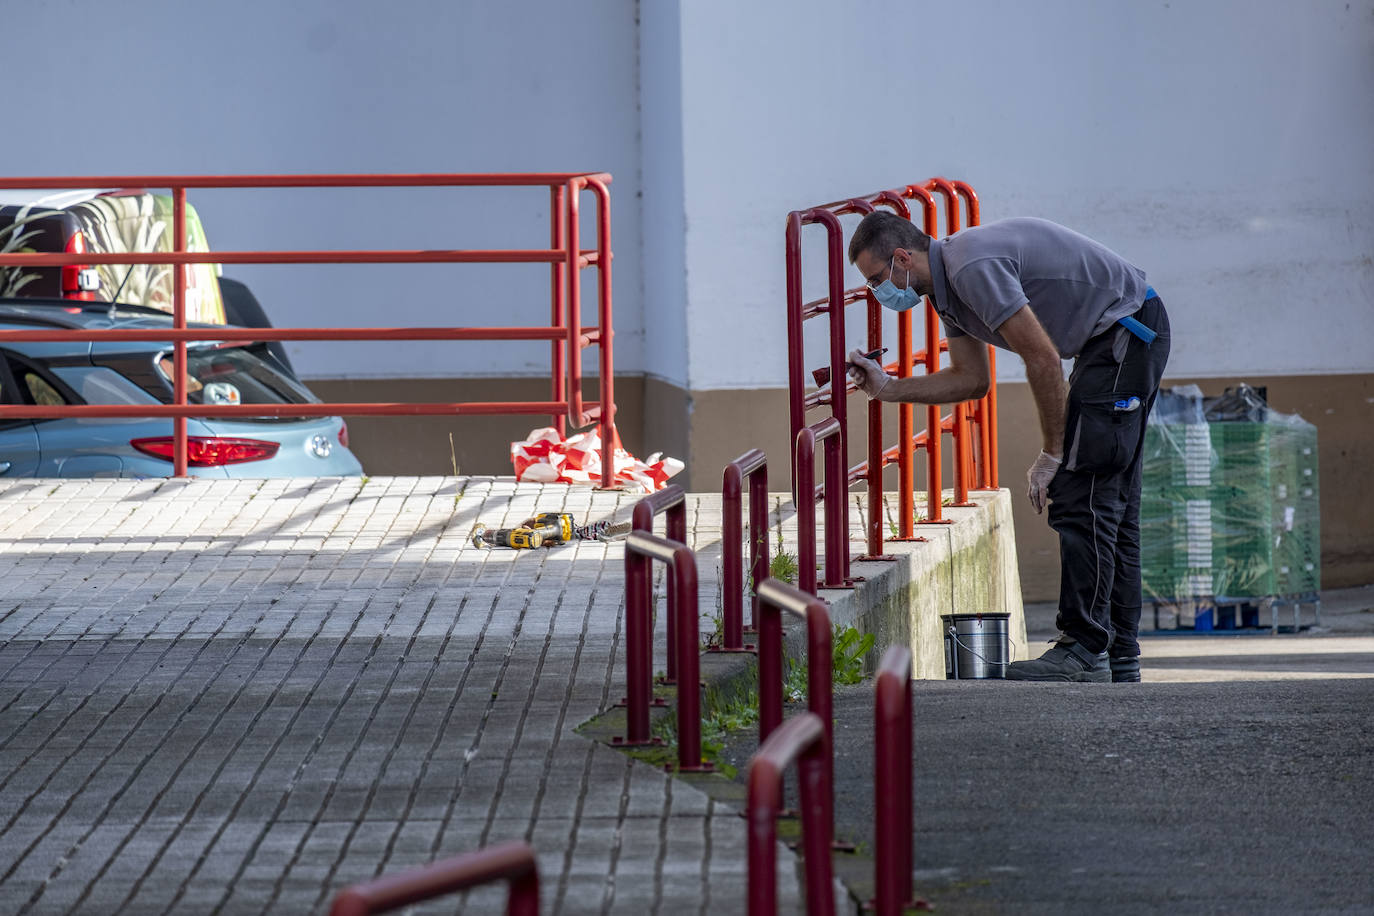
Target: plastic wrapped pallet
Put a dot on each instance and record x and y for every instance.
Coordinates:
(1229, 509)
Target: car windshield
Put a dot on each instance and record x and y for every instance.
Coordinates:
(234, 375)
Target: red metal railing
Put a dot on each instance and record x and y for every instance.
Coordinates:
(566, 334)
(510, 862)
(670, 502)
(776, 597)
(828, 431)
(892, 783)
(752, 465)
(966, 472)
(803, 740)
(641, 549)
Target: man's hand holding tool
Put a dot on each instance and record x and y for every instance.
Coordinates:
(867, 373)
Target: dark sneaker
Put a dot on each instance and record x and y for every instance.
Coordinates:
(1126, 670)
(1066, 660)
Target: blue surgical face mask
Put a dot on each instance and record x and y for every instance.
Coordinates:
(890, 297)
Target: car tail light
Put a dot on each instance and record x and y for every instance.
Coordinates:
(78, 280)
(209, 451)
(343, 433)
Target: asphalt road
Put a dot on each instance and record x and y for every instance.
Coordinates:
(1241, 780)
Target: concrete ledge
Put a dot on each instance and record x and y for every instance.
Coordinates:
(965, 566)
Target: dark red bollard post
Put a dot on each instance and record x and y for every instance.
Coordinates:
(892, 782)
(753, 464)
(803, 740)
(797, 312)
(639, 649)
(671, 501)
(774, 598)
(510, 862)
(836, 507)
(640, 550)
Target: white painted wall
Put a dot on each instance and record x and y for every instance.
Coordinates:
(261, 86)
(664, 205)
(1223, 145)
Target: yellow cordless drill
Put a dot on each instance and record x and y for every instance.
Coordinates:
(521, 538)
(547, 529)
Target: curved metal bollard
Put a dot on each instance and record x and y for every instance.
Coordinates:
(802, 740)
(510, 862)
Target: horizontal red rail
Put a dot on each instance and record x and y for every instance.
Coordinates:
(822, 305)
(468, 180)
(370, 256)
(216, 332)
(356, 409)
(565, 333)
(893, 452)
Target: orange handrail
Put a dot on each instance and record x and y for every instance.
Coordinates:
(565, 332)
(972, 467)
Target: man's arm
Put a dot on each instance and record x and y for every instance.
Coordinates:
(1044, 372)
(964, 379)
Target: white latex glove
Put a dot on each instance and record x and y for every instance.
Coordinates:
(1039, 477)
(867, 374)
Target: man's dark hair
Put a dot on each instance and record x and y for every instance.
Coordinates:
(882, 232)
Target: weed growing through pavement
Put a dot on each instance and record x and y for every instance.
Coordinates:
(735, 716)
(784, 566)
(848, 648)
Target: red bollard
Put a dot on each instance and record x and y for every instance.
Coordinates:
(671, 501)
(753, 464)
(892, 780)
(510, 862)
(640, 550)
(775, 597)
(639, 650)
(836, 507)
(804, 741)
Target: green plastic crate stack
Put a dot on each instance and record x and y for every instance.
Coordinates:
(1229, 507)
(1297, 515)
(1242, 517)
(1176, 509)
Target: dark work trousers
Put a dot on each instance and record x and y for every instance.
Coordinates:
(1095, 496)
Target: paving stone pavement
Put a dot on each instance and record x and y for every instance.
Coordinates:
(241, 696)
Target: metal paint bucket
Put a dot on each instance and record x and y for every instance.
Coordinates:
(975, 645)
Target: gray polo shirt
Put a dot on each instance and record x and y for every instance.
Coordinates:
(1075, 286)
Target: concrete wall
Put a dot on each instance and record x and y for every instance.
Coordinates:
(157, 86)
(965, 567)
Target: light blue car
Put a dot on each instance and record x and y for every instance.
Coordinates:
(82, 372)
